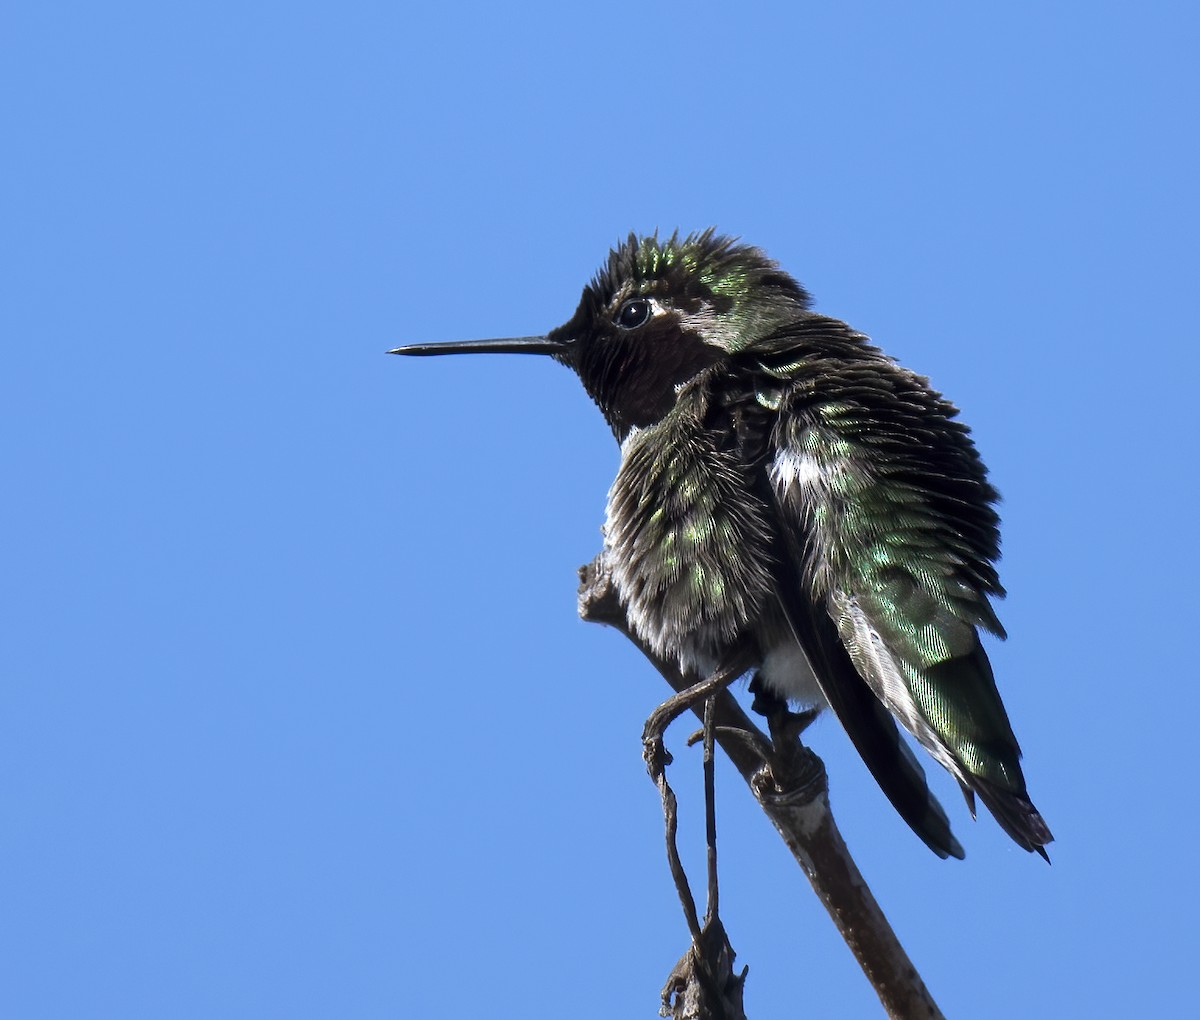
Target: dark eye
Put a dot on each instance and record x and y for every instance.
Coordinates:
(633, 313)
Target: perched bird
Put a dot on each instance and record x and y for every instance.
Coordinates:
(791, 498)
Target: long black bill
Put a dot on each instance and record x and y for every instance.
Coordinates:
(505, 345)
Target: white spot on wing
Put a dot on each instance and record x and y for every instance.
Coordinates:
(796, 469)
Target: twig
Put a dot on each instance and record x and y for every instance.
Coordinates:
(712, 909)
(671, 821)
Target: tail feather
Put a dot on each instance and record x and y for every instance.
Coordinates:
(971, 725)
(1016, 814)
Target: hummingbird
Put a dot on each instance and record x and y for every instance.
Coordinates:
(792, 500)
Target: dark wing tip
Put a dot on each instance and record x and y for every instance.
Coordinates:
(937, 836)
(909, 792)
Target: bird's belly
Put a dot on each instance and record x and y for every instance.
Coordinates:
(695, 609)
(786, 670)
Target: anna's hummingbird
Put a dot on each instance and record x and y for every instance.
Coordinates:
(792, 498)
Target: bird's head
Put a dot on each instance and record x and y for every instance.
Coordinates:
(658, 314)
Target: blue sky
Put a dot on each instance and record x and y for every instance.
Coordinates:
(298, 719)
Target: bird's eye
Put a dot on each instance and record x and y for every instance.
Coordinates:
(633, 313)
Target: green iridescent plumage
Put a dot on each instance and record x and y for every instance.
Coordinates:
(791, 496)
